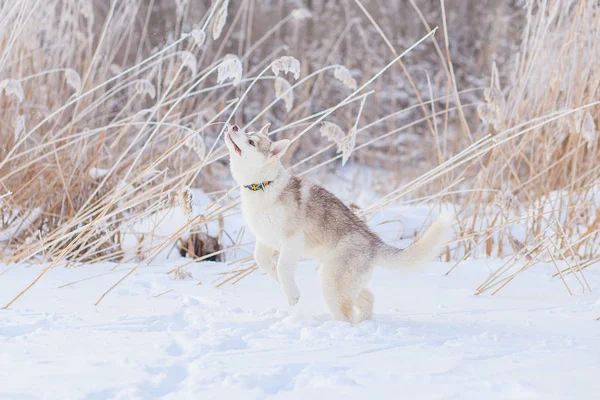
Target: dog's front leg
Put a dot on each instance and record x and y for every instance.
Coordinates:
(263, 255)
(291, 251)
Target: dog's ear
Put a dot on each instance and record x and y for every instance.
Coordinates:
(265, 129)
(279, 148)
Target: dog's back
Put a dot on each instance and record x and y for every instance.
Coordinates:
(323, 218)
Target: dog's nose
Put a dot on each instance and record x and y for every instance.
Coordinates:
(235, 128)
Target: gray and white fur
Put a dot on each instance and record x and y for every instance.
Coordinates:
(299, 219)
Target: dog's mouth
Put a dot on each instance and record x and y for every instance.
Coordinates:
(235, 146)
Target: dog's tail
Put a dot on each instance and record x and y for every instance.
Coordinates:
(424, 249)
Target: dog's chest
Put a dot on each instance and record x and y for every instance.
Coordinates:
(264, 219)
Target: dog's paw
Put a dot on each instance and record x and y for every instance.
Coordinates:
(293, 295)
(293, 300)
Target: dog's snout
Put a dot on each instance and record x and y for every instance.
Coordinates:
(235, 128)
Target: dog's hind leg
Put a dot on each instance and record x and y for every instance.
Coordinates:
(340, 290)
(364, 305)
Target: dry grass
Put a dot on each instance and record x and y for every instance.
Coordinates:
(103, 125)
(547, 178)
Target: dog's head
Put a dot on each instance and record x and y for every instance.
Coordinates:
(253, 156)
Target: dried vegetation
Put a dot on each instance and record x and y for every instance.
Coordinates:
(106, 122)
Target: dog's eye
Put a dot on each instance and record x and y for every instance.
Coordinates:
(251, 143)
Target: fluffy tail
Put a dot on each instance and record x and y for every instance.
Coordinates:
(426, 248)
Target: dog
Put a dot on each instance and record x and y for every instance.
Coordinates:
(298, 219)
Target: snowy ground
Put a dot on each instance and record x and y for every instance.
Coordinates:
(156, 337)
(431, 338)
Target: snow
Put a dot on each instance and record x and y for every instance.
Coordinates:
(150, 233)
(17, 224)
(430, 338)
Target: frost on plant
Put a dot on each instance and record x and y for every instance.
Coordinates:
(491, 111)
(283, 90)
(86, 9)
(145, 87)
(220, 19)
(74, 80)
(180, 6)
(345, 143)
(334, 133)
(342, 74)
(98, 173)
(300, 14)
(348, 146)
(115, 69)
(12, 87)
(199, 37)
(587, 130)
(186, 201)
(20, 225)
(230, 68)
(196, 143)
(19, 126)
(189, 61)
(509, 204)
(204, 116)
(286, 64)
(140, 116)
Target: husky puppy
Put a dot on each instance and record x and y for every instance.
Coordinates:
(296, 218)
